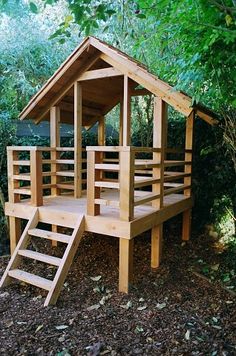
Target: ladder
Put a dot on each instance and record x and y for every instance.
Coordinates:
(63, 264)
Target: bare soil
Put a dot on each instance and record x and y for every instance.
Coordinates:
(170, 311)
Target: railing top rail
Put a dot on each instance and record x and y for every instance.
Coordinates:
(121, 149)
(29, 148)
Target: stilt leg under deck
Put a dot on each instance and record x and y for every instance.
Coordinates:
(125, 264)
(15, 232)
(156, 245)
(186, 227)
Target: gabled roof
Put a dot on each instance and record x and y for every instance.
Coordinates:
(101, 95)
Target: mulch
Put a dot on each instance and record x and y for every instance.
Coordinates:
(170, 311)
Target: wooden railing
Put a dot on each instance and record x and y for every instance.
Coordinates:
(34, 172)
(139, 179)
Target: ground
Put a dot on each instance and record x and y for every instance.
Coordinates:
(173, 310)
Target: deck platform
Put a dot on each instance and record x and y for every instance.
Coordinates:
(66, 208)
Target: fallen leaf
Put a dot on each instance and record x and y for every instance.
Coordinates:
(138, 329)
(217, 327)
(126, 306)
(141, 299)
(96, 279)
(215, 319)
(215, 267)
(160, 306)
(187, 335)
(62, 327)
(93, 307)
(39, 328)
(142, 307)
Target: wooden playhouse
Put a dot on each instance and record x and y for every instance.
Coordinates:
(119, 191)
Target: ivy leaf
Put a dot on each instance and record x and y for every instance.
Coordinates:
(33, 7)
(141, 16)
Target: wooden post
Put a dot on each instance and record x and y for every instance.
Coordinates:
(78, 140)
(36, 178)
(121, 123)
(125, 264)
(186, 224)
(126, 175)
(92, 176)
(159, 141)
(11, 171)
(156, 245)
(54, 142)
(127, 113)
(101, 140)
(15, 232)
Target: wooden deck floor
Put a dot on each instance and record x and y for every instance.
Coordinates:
(61, 208)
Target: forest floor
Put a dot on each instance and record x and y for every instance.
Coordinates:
(174, 310)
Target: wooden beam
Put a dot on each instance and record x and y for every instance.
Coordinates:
(99, 73)
(126, 177)
(54, 142)
(188, 153)
(36, 178)
(93, 175)
(15, 232)
(77, 140)
(186, 225)
(121, 122)
(209, 119)
(159, 137)
(125, 264)
(126, 113)
(156, 245)
(60, 93)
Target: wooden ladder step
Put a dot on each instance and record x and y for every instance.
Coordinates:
(49, 235)
(51, 260)
(31, 279)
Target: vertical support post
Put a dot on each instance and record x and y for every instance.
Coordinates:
(126, 113)
(186, 224)
(14, 223)
(36, 178)
(159, 138)
(121, 122)
(92, 176)
(156, 245)
(11, 171)
(54, 143)
(159, 141)
(126, 185)
(77, 140)
(101, 140)
(125, 264)
(188, 153)
(15, 232)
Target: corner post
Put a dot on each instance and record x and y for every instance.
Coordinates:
(93, 175)
(77, 140)
(36, 177)
(187, 216)
(159, 141)
(126, 112)
(126, 175)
